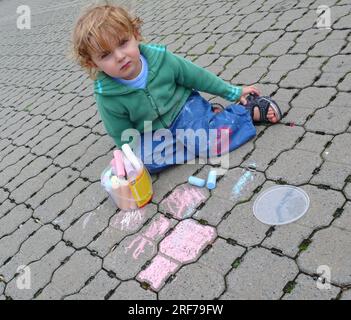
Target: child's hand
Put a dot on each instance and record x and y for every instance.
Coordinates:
(246, 91)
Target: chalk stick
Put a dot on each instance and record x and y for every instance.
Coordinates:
(196, 181)
(211, 179)
(119, 166)
(131, 157)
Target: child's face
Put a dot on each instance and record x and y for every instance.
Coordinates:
(114, 63)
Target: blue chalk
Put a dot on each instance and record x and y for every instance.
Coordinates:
(196, 181)
(211, 179)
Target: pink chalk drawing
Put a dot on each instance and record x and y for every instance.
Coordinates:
(182, 202)
(187, 241)
(128, 220)
(156, 229)
(158, 271)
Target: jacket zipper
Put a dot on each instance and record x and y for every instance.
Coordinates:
(155, 107)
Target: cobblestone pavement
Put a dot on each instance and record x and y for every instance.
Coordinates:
(56, 219)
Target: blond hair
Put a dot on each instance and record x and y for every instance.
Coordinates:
(98, 30)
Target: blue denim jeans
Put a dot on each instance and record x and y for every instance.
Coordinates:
(197, 114)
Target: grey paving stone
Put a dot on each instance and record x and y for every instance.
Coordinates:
(32, 249)
(73, 153)
(261, 275)
(313, 142)
(338, 64)
(12, 243)
(347, 191)
(194, 281)
(297, 116)
(2, 287)
(134, 251)
(12, 158)
(346, 295)
(323, 204)
(334, 254)
(238, 185)
(242, 226)
(214, 209)
(86, 202)
(332, 174)
(131, 290)
(327, 48)
(221, 256)
(59, 202)
(58, 182)
(10, 222)
(295, 166)
(306, 289)
(40, 273)
(338, 151)
(72, 276)
(50, 130)
(97, 289)
(287, 238)
(344, 222)
(330, 120)
(345, 84)
(120, 226)
(82, 232)
(171, 178)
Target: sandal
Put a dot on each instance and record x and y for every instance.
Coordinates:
(263, 103)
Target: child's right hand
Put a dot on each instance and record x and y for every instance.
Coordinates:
(247, 90)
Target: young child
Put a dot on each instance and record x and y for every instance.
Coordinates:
(146, 87)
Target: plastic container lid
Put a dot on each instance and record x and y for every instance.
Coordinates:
(281, 205)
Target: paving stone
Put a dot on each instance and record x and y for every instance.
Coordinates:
(338, 151)
(93, 170)
(40, 273)
(344, 85)
(313, 142)
(327, 48)
(12, 243)
(120, 226)
(72, 276)
(73, 153)
(172, 178)
(134, 251)
(323, 204)
(347, 191)
(306, 289)
(261, 275)
(194, 281)
(294, 167)
(13, 157)
(334, 254)
(10, 222)
(344, 222)
(332, 174)
(82, 232)
(59, 202)
(287, 238)
(221, 256)
(346, 295)
(57, 183)
(242, 226)
(242, 184)
(213, 210)
(48, 131)
(330, 120)
(86, 202)
(32, 249)
(131, 290)
(97, 289)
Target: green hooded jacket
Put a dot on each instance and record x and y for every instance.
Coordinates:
(170, 81)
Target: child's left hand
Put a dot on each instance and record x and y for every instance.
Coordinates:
(247, 90)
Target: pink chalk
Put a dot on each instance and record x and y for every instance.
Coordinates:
(183, 201)
(118, 163)
(187, 241)
(158, 272)
(131, 171)
(140, 247)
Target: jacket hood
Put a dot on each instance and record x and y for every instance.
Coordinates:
(107, 86)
